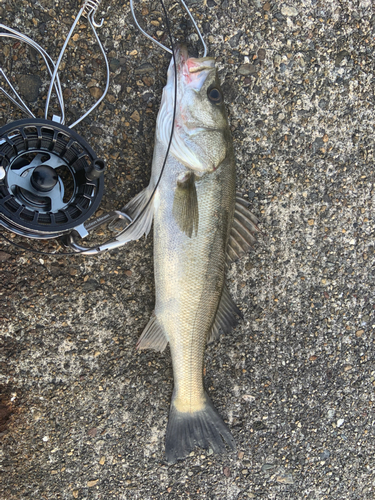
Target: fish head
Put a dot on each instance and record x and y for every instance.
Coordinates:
(201, 136)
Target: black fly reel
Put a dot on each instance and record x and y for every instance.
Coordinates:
(51, 181)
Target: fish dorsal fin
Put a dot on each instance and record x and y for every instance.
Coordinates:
(226, 316)
(185, 204)
(141, 210)
(244, 228)
(153, 336)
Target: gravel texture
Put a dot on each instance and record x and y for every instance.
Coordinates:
(83, 414)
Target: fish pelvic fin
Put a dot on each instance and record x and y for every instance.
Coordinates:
(226, 316)
(153, 336)
(141, 210)
(204, 428)
(244, 230)
(185, 204)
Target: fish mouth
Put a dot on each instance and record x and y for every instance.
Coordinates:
(190, 74)
(191, 71)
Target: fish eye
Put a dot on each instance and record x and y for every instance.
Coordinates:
(214, 95)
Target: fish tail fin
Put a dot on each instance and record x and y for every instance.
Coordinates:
(204, 428)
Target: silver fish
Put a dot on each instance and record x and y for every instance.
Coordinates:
(199, 225)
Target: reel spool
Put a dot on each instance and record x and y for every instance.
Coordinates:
(51, 180)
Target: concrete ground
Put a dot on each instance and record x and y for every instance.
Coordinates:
(83, 414)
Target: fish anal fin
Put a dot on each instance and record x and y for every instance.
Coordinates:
(153, 336)
(185, 204)
(244, 230)
(226, 316)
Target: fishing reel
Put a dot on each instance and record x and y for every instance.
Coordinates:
(51, 183)
(51, 180)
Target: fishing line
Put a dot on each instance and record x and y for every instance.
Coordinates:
(173, 116)
(93, 248)
(33, 250)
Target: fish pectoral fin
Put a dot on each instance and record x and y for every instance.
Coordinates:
(185, 204)
(141, 210)
(153, 336)
(226, 316)
(244, 229)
